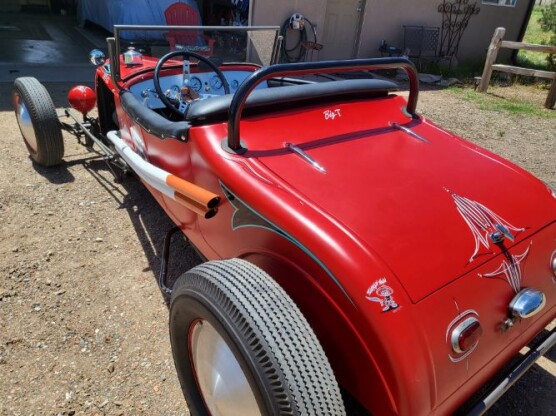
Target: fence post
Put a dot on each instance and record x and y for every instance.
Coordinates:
(551, 99)
(491, 57)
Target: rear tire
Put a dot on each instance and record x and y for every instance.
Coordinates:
(240, 344)
(38, 122)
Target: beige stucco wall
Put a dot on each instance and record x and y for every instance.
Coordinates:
(274, 12)
(383, 19)
(480, 31)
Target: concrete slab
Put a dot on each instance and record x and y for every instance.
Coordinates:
(48, 73)
(62, 58)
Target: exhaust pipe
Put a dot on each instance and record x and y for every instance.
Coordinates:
(191, 196)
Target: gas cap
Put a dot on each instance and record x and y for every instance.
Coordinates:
(526, 303)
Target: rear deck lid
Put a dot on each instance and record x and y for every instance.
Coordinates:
(426, 201)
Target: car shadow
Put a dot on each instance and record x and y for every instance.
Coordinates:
(551, 355)
(537, 380)
(57, 175)
(149, 221)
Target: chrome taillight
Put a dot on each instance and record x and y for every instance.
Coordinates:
(466, 335)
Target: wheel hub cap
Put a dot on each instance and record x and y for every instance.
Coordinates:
(25, 122)
(221, 380)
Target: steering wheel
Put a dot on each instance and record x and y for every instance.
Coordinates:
(183, 106)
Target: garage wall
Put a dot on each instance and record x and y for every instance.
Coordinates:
(9, 6)
(45, 3)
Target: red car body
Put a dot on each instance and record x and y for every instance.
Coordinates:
(404, 246)
(385, 211)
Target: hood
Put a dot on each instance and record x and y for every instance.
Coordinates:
(427, 204)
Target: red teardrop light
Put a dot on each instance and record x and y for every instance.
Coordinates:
(82, 98)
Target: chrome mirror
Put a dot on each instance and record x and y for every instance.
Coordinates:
(97, 57)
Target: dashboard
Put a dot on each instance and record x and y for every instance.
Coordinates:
(207, 84)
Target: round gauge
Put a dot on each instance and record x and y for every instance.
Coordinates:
(215, 82)
(196, 84)
(234, 84)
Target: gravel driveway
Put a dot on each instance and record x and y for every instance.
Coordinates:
(83, 324)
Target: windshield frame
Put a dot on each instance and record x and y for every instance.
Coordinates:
(115, 50)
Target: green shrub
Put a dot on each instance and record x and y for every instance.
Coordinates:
(548, 18)
(548, 23)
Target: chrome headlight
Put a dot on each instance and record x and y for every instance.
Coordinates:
(97, 57)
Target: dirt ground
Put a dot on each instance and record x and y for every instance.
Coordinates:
(83, 323)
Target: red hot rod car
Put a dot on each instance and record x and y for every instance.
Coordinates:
(355, 252)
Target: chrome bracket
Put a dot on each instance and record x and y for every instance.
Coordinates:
(297, 150)
(398, 126)
(507, 324)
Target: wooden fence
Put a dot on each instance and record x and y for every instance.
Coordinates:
(496, 43)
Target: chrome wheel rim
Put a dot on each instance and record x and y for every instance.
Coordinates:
(25, 123)
(221, 381)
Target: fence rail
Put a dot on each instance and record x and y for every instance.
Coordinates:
(496, 44)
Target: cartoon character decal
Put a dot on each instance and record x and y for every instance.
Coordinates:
(383, 294)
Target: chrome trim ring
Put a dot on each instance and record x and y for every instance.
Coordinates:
(25, 123)
(220, 378)
(456, 322)
(457, 331)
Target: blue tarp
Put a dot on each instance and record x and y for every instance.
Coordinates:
(107, 13)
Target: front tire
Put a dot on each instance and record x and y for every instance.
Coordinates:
(242, 347)
(38, 121)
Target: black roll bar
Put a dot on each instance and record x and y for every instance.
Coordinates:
(324, 67)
